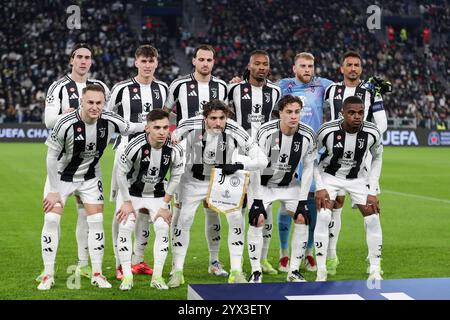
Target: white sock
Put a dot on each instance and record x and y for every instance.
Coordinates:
(115, 235)
(140, 237)
(125, 244)
(267, 234)
(255, 241)
(96, 241)
(49, 241)
(161, 245)
(299, 242)
(173, 226)
(321, 238)
(235, 240)
(334, 228)
(374, 240)
(82, 230)
(212, 233)
(180, 244)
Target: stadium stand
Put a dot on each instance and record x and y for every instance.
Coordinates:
(415, 56)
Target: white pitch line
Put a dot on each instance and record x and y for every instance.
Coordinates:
(415, 196)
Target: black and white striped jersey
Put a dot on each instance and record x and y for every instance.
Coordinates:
(133, 100)
(345, 153)
(190, 95)
(64, 94)
(285, 154)
(253, 105)
(81, 145)
(374, 111)
(146, 167)
(205, 150)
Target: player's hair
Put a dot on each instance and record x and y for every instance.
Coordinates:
(284, 101)
(147, 51)
(259, 52)
(79, 46)
(352, 100)
(206, 47)
(352, 54)
(94, 87)
(304, 55)
(214, 105)
(157, 114)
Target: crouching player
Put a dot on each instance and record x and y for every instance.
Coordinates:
(342, 168)
(287, 143)
(142, 186)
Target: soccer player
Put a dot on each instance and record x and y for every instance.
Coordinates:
(287, 143)
(211, 140)
(310, 89)
(64, 96)
(342, 168)
(252, 101)
(75, 147)
(352, 85)
(189, 94)
(133, 99)
(141, 175)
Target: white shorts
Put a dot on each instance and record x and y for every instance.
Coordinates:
(357, 188)
(149, 203)
(288, 196)
(90, 192)
(192, 192)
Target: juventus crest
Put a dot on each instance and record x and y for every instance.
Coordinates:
(102, 132)
(267, 97)
(214, 93)
(166, 159)
(297, 145)
(360, 143)
(222, 145)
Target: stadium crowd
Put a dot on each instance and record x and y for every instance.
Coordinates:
(327, 30)
(36, 53)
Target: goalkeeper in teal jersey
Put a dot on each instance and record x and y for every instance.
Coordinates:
(311, 91)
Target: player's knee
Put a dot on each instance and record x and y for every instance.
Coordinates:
(339, 203)
(300, 219)
(256, 219)
(129, 225)
(324, 216)
(161, 226)
(52, 218)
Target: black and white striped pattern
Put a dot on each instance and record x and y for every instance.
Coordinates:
(205, 150)
(284, 152)
(146, 167)
(253, 105)
(81, 145)
(345, 153)
(190, 96)
(338, 92)
(133, 100)
(65, 93)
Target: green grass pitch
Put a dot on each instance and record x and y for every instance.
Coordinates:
(415, 203)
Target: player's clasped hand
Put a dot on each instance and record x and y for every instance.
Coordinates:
(372, 201)
(232, 168)
(51, 200)
(322, 199)
(125, 209)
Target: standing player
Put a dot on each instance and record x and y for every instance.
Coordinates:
(211, 140)
(74, 150)
(133, 99)
(352, 85)
(311, 91)
(286, 142)
(141, 179)
(342, 168)
(252, 101)
(189, 94)
(64, 96)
